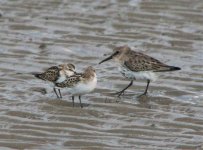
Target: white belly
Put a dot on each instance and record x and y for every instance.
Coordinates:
(141, 75)
(83, 87)
(61, 79)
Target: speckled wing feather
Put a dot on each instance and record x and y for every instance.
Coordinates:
(70, 81)
(51, 74)
(140, 62)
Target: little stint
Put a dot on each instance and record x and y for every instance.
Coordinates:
(80, 84)
(56, 74)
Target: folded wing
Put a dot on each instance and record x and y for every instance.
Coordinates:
(51, 74)
(140, 62)
(69, 82)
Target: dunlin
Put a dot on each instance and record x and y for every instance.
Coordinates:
(80, 84)
(135, 65)
(56, 74)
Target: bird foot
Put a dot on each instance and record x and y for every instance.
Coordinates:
(119, 93)
(144, 94)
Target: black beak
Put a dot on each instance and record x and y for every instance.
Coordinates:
(108, 58)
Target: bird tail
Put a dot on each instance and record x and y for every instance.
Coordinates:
(38, 75)
(167, 68)
(173, 68)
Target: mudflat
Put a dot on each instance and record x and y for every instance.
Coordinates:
(36, 34)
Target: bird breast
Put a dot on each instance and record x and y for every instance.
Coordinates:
(83, 87)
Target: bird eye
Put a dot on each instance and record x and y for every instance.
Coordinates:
(115, 53)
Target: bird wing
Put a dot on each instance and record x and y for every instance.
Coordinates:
(70, 81)
(141, 62)
(51, 74)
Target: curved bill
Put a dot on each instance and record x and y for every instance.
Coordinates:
(108, 58)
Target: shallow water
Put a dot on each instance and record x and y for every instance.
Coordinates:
(37, 34)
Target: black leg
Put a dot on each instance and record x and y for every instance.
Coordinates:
(145, 92)
(55, 92)
(60, 93)
(73, 100)
(122, 91)
(148, 81)
(80, 102)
